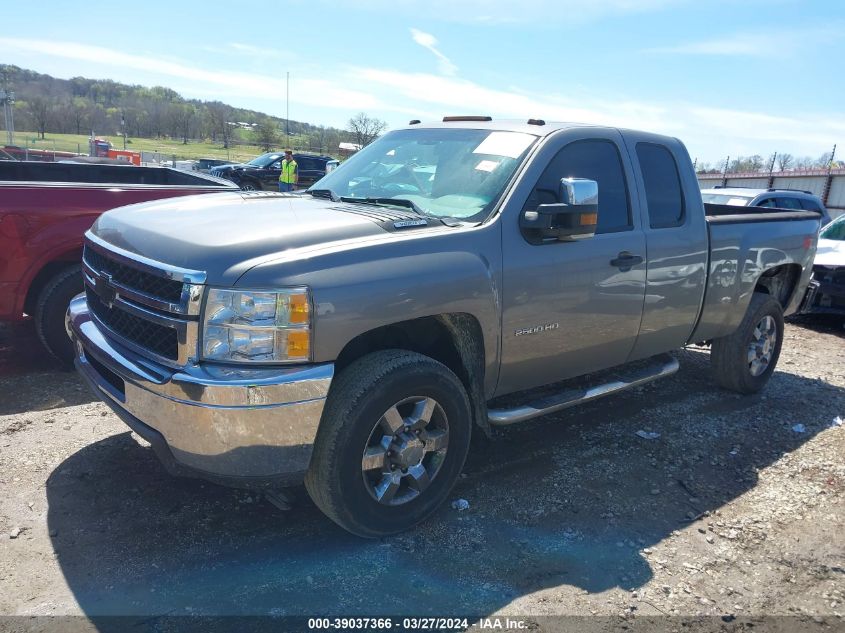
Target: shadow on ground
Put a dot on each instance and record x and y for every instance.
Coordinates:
(30, 379)
(822, 323)
(571, 499)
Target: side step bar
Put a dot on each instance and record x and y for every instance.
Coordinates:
(659, 367)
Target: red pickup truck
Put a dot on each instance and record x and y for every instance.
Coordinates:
(45, 209)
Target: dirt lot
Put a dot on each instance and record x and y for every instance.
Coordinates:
(733, 510)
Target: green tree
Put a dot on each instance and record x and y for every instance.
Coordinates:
(266, 134)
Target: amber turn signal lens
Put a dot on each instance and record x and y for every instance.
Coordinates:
(298, 309)
(588, 219)
(299, 344)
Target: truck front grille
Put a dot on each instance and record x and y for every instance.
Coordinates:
(149, 307)
(165, 289)
(160, 340)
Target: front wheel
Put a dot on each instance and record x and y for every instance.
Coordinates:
(392, 441)
(744, 361)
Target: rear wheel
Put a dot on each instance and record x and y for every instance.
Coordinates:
(250, 185)
(50, 310)
(392, 442)
(745, 360)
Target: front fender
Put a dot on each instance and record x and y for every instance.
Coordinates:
(359, 288)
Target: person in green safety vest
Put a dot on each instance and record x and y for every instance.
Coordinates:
(290, 173)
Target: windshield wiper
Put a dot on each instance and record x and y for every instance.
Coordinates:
(325, 193)
(387, 202)
(403, 202)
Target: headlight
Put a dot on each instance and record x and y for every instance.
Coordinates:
(257, 326)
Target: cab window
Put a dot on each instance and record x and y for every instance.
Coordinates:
(597, 160)
(662, 181)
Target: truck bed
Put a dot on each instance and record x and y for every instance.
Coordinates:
(63, 174)
(731, 214)
(738, 255)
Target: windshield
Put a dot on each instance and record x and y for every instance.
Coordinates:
(265, 159)
(726, 198)
(457, 173)
(835, 230)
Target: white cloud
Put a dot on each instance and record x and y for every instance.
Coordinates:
(215, 83)
(772, 44)
(428, 41)
(395, 96)
(708, 132)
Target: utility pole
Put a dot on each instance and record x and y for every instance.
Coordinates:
(287, 112)
(828, 182)
(725, 172)
(771, 180)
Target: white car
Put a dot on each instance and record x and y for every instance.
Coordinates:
(826, 291)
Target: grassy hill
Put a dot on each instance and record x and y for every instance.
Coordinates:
(170, 148)
(61, 112)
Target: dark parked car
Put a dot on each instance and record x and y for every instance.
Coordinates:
(262, 173)
(205, 165)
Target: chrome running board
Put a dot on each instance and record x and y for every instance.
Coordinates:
(659, 367)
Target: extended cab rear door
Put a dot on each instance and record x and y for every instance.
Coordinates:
(569, 308)
(672, 216)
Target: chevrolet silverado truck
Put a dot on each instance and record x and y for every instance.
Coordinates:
(354, 336)
(45, 209)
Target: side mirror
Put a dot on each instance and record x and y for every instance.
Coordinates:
(573, 218)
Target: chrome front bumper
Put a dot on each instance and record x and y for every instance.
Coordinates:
(240, 427)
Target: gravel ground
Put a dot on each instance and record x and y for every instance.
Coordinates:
(733, 510)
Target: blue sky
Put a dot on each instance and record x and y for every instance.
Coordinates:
(731, 78)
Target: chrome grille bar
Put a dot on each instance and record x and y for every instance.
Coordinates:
(133, 300)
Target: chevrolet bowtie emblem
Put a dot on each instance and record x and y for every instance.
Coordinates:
(104, 290)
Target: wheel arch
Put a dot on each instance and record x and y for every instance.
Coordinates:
(455, 339)
(780, 282)
(46, 272)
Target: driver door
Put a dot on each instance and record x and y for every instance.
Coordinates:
(270, 175)
(570, 308)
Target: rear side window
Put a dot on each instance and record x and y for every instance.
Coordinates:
(810, 205)
(597, 160)
(308, 164)
(768, 203)
(662, 186)
(788, 203)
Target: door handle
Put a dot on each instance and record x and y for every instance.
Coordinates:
(625, 261)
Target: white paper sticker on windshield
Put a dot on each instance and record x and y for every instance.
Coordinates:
(737, 202)
(509, 144)
(487, 165)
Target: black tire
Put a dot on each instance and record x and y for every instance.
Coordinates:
(359, 397)
(50, 310)
(729, 355)
(250, 185)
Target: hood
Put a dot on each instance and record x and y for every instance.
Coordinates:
(226, 234)
(230, 167)
(830, 253)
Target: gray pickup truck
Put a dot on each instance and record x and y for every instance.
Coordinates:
(353, 336)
